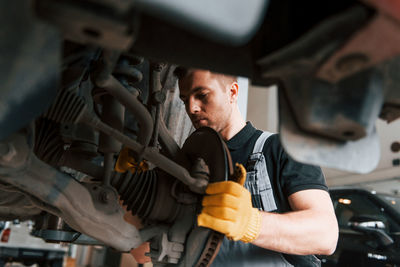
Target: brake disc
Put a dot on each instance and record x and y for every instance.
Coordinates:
(203, 244)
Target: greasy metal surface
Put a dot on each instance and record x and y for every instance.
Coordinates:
(57, 193)
(359, 156)
(116, 89)
(157, 97)
(313, 47)
(88, 23)
(156, 197)
(366, 42)
(112, 113)
(15, 205)
(211, 249)
(29, 49)
(345, 111)
(75, 110)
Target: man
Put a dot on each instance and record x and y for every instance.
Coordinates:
(288, 215)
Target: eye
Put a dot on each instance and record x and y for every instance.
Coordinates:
(202, 95)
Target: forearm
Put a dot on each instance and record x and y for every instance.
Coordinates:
(299, 232)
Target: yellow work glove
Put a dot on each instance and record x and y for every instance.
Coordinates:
(227, 209)
(126, 162)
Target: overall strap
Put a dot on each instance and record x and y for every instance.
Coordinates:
(258, 147)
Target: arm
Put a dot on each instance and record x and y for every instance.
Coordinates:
(311, 228)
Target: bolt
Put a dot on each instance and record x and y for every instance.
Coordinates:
(105, 197)
(158, 66)
(159, 97)
(351, 62)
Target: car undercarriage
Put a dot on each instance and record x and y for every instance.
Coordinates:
(88, 85)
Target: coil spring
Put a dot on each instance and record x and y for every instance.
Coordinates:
(125, 70)
(137, 190)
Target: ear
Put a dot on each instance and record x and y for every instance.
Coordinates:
(234, 91)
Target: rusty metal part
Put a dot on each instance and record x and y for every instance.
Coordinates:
(158, 97)
(60, 112)
(54, 229)
(216, 166)
(80, 138)
(156, 197)
(126, 70)
(359, 156)
(211, 250)
(105, 80)
(115, 88)
(168, 143)
(364, 50)
(113, 115)
(313, 47)
(81, 163)
(58, 193)
(151, 154)
(89, 23)
(14, 204)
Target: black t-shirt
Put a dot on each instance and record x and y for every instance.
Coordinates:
(287, 176)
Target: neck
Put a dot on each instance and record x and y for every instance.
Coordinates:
(236, 124)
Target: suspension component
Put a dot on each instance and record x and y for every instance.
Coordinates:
(48, 142)
(147, 195)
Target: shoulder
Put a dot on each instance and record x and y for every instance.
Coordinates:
(272, 146)
(295, 176)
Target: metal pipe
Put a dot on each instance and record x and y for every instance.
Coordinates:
(149, 153)
(157, 97)
(108, 168)
(113, 114)
(77, 162)
(116, 89)
(168, 143)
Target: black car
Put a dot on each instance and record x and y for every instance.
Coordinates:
(369, 224)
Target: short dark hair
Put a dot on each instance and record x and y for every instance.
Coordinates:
(181, 72)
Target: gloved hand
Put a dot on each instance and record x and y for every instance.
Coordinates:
(227, 209)
(126, 162)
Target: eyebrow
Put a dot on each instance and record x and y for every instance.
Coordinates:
(194, 90)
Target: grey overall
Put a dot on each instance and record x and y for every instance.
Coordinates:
(235, 254)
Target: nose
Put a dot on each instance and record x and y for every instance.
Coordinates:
(193, 106)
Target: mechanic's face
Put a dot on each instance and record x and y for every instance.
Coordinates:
(208, 99)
